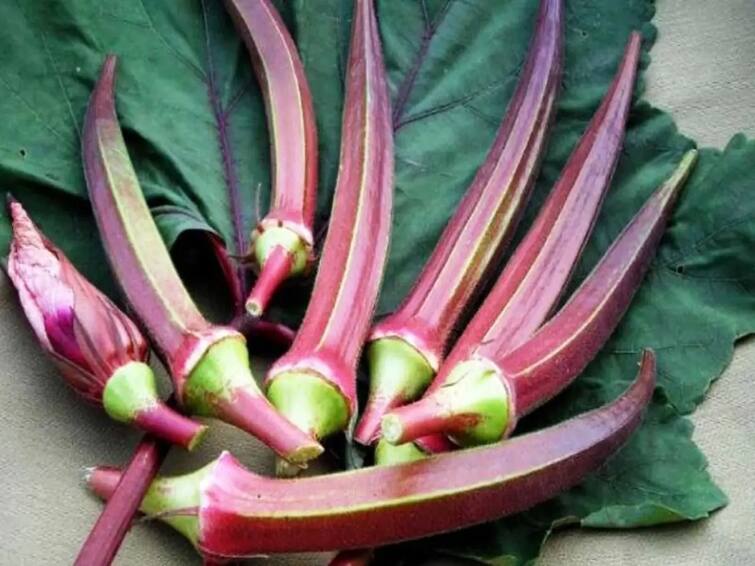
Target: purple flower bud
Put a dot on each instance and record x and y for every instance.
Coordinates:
(98, 349)
(79, 326)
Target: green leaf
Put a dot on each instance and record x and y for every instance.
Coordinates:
(187, 101)
(659, 477)
(510, 542)
(195, 126)
(698, 296)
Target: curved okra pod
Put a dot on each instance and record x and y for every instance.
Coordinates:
(314, 383)
(408, 346)
(209, 364)
(535, 277)
(484, 395)
(281, 244)
(229, 512)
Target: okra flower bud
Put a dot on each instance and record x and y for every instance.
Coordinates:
(99, 351)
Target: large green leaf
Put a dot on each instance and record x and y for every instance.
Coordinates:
(196, 130)
(186, 98)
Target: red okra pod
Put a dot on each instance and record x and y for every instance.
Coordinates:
(314, 383)
(534, 279)
(484, 394)
(281, 244)
(537, 274)
(229, 512)
(209, 364)
(408, 346)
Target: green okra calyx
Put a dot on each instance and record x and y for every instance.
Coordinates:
(472, 407)
(310, 402)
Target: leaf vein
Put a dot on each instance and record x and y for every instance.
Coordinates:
(178, 55)
(230, 176)
(407, 85)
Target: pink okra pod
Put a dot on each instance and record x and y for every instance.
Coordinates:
(99, 351)
(314, 384)
(535, 277)
(282, 243)
(482, 395)
(228, 512)
(209, 364)
(408, 346)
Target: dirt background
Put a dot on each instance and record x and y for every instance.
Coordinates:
(703, 72)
